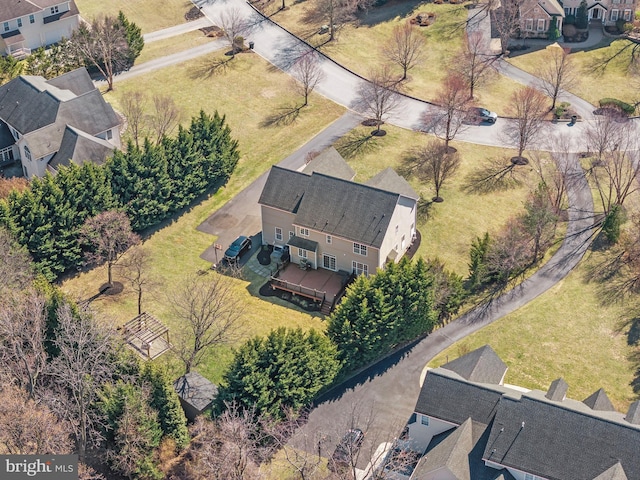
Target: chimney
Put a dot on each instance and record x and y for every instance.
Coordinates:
(633, 415)
(558, 390)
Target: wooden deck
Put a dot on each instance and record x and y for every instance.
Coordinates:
(320, 285)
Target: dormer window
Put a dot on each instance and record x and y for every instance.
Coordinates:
(54, 10)
(6, 26)
(19, 23)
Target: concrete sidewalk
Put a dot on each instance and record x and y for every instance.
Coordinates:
(177, 30)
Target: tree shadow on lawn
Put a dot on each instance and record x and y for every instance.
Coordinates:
(283, 116)
(210, 67)
(356, 143)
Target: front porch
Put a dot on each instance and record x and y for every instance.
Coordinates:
(324, 287)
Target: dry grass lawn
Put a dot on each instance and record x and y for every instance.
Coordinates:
(592, 84)
(458, 220)
(567, 333)
(172, 45)
(149, 15)
(360, 47)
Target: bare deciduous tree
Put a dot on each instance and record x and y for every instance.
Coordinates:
(539, 221)
(404, 47)
(230, 447)
(103, 43)
(506, 19)
(436, 164)
(453, 101)
(605, 133)
(22, 330)
(211, 313)
(509, 254)
(308, 72)
(528, 109)
(234, 26)
(165, 118)
(473, 62)
(379, 96)
(82, 365)
(108, 235)
(335, 13)
(28, 427)
(135, 268)
(133, 106)
(557, 73)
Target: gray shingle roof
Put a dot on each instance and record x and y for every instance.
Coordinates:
(6, 139)
(331, 205)
(598, 400)
(41, 110)
(452, 454)
(196, 390)
(482, 365)
(447, 396)
(389, 180)
(14, 9)
(78, 147)
(346, 209)
(633, 414)
(557, 390)
(330, 162)
(284, 189)
(558, 443)
(303, 243)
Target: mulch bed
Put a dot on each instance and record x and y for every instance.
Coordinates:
(193, 14)
(113, 289)
(301, 302)
(264, 255)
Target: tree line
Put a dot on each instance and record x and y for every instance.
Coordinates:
(149, 184)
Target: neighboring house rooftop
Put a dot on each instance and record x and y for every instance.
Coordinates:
(552, 7)
(21, 8)
(481, 366)
(389, 180)
(541, 433)
(330, 162)
(78, 147)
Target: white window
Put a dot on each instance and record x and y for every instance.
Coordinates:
(424, 420)
(360, 268)
(528, 24)
(403, 242)
(291, 234)
(6, 26)
(302, 253)
(19, 22)
(627, 15)
(329, 262)
(27, 153)
(278, 234)
(528, 476)
(109, 134)
(32, 19)
(54, 10)
(616, 1)
(614, 15)
(329, 239)
(360, 249)
(6, 155)
(304, 232)
(541, 25)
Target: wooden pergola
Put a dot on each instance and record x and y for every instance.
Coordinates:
(147, 335)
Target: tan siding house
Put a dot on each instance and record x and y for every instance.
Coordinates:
(335, 223)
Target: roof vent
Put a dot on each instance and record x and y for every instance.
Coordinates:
(633, 414)
(557, 390)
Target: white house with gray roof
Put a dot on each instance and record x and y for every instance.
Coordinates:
(49, 123)
(469, 425)
(335, 223)
(29, 24)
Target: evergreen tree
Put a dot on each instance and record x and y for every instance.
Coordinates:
(282, 372)
(135, 40)
(582, 15)
(10, 68)
(165, 401)
(478, 272)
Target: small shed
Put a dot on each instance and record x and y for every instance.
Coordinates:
(147, 336)
(196, 393)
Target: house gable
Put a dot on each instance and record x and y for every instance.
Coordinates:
(482, 365)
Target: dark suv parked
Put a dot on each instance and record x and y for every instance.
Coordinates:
(237, 248)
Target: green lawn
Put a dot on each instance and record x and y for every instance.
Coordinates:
(462, 217)
(360, 47)
(592, 83)
(567, 333)
(149, 15)
(248, 93)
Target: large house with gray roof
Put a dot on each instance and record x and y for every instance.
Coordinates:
(331, 222)
(29, 24)
(49, 123)
(469, 425)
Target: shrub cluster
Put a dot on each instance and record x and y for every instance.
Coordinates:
(614, 102)
(149, 184)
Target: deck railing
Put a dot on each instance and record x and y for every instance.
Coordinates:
(280, 284)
